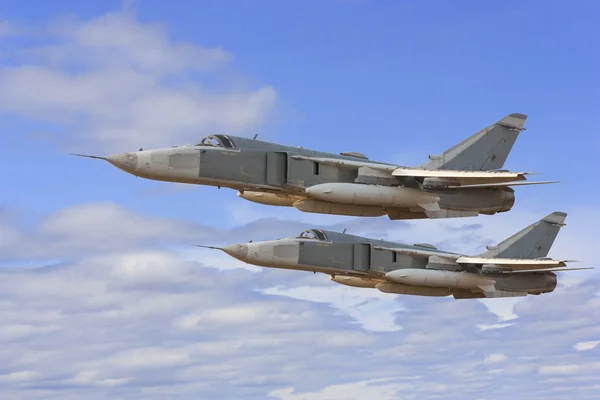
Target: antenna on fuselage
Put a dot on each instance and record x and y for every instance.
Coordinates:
(344, 231)
(255, 136)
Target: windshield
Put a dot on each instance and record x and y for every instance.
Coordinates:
(314, 234)
(217, 141)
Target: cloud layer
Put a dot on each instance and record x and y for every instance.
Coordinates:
(130, 318)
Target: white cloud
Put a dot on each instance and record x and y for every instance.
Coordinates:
(19, 376)
(487, 327)
(10, 332)
(150, 358)
(124, 84)
(567, 369)
(495, 358)
(504, 308)
(402, 387)
(384, 389)
(117, 38)
(374, 310)
(92, 378)
(584, 346)
(90, 227)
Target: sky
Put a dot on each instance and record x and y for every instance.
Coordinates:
(102, 294)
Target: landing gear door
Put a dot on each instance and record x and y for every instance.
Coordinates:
(277, 168)
(362, 257)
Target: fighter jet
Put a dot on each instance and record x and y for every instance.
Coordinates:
(517, 266)
(463, 181)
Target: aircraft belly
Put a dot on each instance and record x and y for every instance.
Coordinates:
(297, 267)
(327, 207)
(355, 281)
(270, 199)
(399, 288)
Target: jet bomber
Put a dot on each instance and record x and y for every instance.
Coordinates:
(518, 266)
(464, 181)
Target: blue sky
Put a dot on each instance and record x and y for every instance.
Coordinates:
(89, 251)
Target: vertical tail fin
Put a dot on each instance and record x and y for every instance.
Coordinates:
(533, 241)
(486, 150)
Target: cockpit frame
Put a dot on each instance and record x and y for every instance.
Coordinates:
(313, 234)
(223, 141)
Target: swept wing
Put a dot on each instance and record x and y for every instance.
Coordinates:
(514, 263)
(450, 178)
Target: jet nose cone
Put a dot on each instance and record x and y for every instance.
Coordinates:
(239, 251)
(125, 161)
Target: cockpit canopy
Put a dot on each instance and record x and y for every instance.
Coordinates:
(217, 141)
(314, 234)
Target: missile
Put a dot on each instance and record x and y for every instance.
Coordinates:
(370, 195)
(326, 207)
(353, 281)
(269, 199)
(444, 279)
(398, 288)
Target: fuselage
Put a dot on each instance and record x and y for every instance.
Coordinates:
(283, 178)
(368, 263)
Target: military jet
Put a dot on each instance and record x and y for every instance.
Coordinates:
(463, 181)
(517, 266)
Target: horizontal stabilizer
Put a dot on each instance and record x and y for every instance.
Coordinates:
(484, 185)
(523, 271)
